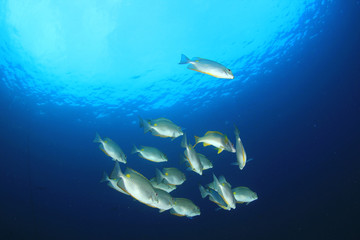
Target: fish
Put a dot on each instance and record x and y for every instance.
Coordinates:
(171, 176)
(163, 186)
(137, 186)
(224, 189)
(206, 66)
(150, 153)
(244, 195)
(113, 180)
(205, 162)
(191, 156)
(214, 196)
(166, 201)
(240, 151)
(184, 207)
(161, 127)
(111, 149)
(217, 139)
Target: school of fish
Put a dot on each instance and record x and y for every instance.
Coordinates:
(155, 192)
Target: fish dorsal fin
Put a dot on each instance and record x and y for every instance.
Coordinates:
(137, 173)
(209, 132)
(163, 119)
(220, 150)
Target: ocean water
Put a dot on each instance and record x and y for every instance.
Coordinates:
(69, 69)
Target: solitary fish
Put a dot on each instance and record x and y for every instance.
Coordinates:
(217, 139)
(161, 127)
(207, 66)
(110, 148)
(184, 207)
(244, 195)
(171, 176)
(240, 151)
(150, 153)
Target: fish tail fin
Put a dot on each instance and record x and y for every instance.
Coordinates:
(237, 132)
(105, 178)
(141, 124)
(159, 176)
(216, 182)
(196, 140)
(184, 141)
(144, 124)
(116, 172)
(97, 138)
(134, 150)
(184, 59)
(203, 192)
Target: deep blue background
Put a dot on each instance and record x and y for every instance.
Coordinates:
(300, 123)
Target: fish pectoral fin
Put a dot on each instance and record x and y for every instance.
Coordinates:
(220, 150)
(162, 210)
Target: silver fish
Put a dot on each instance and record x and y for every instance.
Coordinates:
(240, 151)
(150, 153)
(184, 207)
(206, 66)
(110, 148)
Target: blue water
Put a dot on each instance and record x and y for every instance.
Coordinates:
(70, 69)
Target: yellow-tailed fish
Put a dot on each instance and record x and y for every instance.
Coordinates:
(217, 139)
(214, 196)
(244, 195)
(171, 176)
(207, 66)
(184, 207)
(137, 186)
(161, 127)
(191, 157)
(150, 153)
(110, 148)
(240, 151)
(163, 186)
(224, 189)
